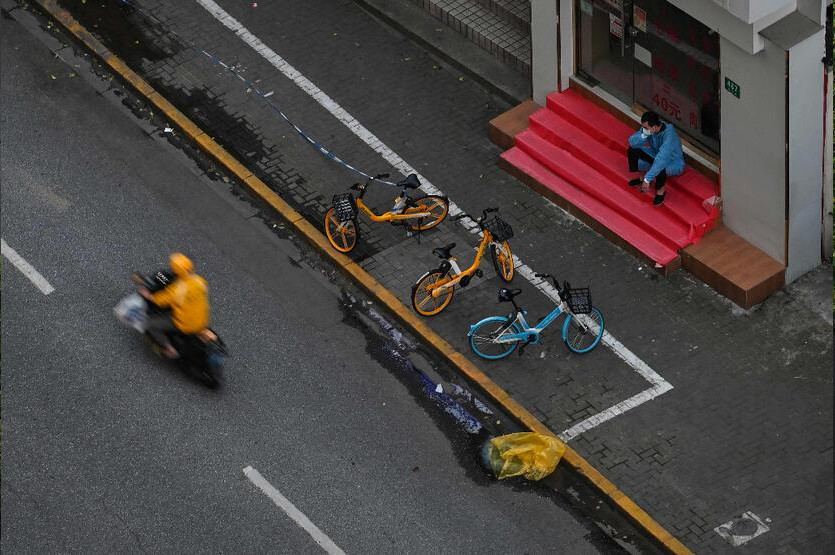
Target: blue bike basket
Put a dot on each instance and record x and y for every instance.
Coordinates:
(345, 207)
(579, 300)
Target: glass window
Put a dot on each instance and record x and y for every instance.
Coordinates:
(650, 53)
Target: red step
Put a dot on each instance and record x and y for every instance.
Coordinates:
(661, 223)
(682, 204)
(657, 250)
(600, 124)
(613, 133)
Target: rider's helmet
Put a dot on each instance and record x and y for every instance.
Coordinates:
(180, 264)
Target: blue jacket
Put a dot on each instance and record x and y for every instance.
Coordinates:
(665, 147)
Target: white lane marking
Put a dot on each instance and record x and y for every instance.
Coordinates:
(26, 269)
(299, 517)
(659, 384)
(613, 411)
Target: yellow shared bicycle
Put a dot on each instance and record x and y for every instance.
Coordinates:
(434, 290)
(416, 214)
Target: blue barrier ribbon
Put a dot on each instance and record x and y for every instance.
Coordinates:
(216, 60)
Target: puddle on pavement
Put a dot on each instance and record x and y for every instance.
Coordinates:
(466, 429)
(468, 422)
(123, 30)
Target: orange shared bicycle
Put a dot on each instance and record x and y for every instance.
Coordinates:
(433, 291)
(416, 214)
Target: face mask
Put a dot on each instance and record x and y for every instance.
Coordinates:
(645, 132)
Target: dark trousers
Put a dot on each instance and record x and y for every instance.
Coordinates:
(635, 154)
(159, 326)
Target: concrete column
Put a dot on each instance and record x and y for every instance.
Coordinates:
(813, 9)
(544, 51)
(806, 135)
(771, 143)
(567, 42)
(753, 147)
(826, 231)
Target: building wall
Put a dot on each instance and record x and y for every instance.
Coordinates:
(751, 10)
(814, 9)
(566, 38)
(716, 17)
(544, 49)
(753, 149)
(806, 82)
(827, 229)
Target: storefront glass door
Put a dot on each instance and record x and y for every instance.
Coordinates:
(650, 53)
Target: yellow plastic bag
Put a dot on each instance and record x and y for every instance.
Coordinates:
(527, 454)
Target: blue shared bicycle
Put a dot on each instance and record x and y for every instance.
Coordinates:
(496, 337)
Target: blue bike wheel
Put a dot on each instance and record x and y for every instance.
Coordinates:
(483, 338)
(579, 333)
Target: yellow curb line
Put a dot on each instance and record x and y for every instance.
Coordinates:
(371, 285)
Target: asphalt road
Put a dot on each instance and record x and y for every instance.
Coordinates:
(108, 449)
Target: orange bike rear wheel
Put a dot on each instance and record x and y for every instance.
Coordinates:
(422, 299)
(343, 236)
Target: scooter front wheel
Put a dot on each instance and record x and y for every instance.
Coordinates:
(207, 378)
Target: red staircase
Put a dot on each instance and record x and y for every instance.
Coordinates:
(577, 151)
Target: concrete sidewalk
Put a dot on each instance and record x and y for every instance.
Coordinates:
(748, 425)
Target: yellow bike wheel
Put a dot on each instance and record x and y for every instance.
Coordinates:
(502, 260)
(438, 208)
(343, 236)
(422, 300)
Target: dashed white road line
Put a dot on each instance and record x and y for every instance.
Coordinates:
(26, 269)
(658, 384)
(290, 510)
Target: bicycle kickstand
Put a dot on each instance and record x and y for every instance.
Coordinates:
(523, 345)
(416, 233)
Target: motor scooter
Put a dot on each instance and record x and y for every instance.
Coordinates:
(201, 355)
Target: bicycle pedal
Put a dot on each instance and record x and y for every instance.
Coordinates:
(479, 273)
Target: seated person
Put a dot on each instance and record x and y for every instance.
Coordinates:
(656, 150)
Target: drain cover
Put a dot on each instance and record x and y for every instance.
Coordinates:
(742, 529)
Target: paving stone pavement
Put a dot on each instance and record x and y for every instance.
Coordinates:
(748, 425)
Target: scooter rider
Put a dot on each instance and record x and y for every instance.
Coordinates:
(187, 297)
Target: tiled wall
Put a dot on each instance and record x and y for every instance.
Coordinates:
(502, 27)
